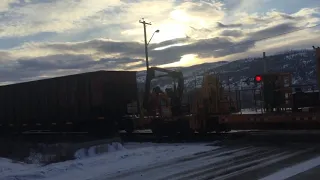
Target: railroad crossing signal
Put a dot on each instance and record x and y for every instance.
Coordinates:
(258, 79)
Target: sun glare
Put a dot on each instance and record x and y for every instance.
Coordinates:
(180, 16)
(186, 60)
(169, 46)
(169, 31)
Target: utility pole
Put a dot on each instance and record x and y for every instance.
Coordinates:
(265, 68)
(145, 40)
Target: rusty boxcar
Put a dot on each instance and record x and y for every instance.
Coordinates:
(87, 102)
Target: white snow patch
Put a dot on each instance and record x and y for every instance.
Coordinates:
(90, 165)
(294, 170)
(143, 131)
(99, 149)
(7, 165)
(139, 131)
(249, 111)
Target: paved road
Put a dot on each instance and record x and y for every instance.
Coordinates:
(284, 167)
(312, 174)
(265, 172)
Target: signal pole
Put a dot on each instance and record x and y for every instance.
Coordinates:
(265, 63)
(145, 40)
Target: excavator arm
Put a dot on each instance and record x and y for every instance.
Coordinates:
(170, 73)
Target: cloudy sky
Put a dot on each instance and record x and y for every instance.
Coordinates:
(46, 38)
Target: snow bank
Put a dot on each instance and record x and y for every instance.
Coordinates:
(96, 150)
(91, 165)
(8, 166)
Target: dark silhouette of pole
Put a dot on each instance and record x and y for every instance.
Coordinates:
(145, 40)
(265, 63)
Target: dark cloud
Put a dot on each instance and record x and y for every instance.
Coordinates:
(71, 62)
(253, 37)
(4, 57)
(232, 33)
(204, 48)
(31, 68)
(200, 29)
(170, 42)
(234, 49)
(220, 25)
(105, 46)
(272, 31)
(36, 67)
(286, 16)
(55, 62)
(277, 17)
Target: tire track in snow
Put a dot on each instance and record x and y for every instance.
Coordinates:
(221, 166)
(219, 151)
(231, 169)
(264, 164)
(206, 159)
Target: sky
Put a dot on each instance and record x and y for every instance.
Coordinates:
(48, 38)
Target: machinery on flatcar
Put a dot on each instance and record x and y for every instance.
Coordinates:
(211, 108)
(165, 113)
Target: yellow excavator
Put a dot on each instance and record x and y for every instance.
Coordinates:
(159, 109)
(207, 102)
(158, 99)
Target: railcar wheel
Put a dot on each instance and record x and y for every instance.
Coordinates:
(187, 133)
(202, 132)
(129, 128)
(156, 130)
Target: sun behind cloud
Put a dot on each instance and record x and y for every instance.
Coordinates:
(185, 61)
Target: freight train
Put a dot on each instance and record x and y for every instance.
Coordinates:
(104, 102)
(89, 102)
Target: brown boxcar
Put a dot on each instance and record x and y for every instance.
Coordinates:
(91, 102)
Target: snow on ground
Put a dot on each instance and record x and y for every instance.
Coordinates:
(90, 164)
(294, 170)
(96, 150)
(8, 166)
(138, 131)
(249, 111)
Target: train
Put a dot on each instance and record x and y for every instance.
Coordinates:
(89, 102)
(104, 102)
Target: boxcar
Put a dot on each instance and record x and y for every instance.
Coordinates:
(90, 102)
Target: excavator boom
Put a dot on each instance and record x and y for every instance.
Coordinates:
(176, 75)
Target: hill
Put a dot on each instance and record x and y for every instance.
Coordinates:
(301, 63)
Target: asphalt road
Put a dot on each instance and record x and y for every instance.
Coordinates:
(267, 171)
(312, 174)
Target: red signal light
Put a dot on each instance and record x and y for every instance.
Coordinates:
(258, 78)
